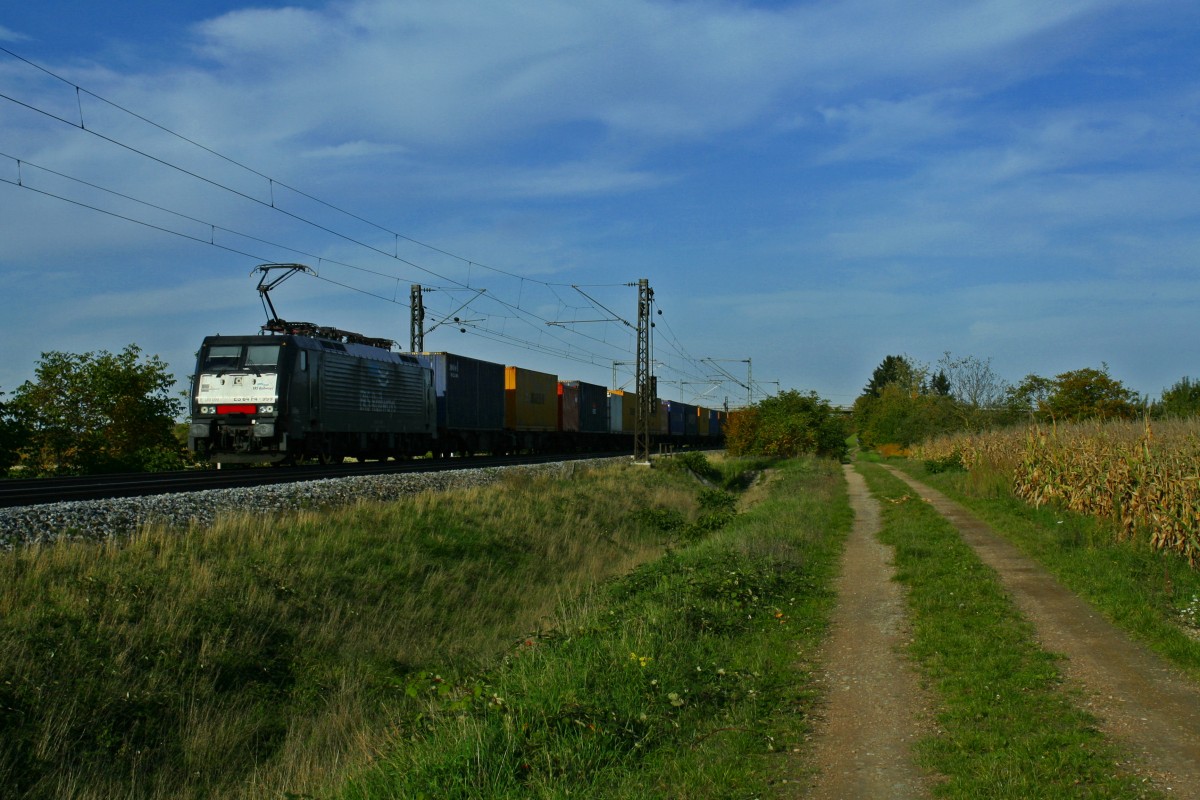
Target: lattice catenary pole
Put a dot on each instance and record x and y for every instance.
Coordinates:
(416, 327)
(646, 390)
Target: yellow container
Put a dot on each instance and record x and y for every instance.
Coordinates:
(530, 400)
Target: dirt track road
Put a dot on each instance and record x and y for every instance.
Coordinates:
(875, 707)
(1143, 703)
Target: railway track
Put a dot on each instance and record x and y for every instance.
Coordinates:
(39, 491)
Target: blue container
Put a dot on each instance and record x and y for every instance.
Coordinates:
(675, 418)
(470, 392)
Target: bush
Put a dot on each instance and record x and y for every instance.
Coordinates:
(787, 425)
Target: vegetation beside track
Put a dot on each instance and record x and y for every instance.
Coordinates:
(252, 660)
(1152, 594)
(1006, 727)
(679, 680)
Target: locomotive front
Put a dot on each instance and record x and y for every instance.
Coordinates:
(238, 400)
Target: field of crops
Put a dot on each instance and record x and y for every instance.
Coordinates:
(1146, 476)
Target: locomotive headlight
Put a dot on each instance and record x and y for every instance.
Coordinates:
(266, 409)
(207, 410)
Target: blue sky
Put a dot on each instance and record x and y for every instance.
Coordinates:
(808, 185)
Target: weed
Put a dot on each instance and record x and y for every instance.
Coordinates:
(953, 462)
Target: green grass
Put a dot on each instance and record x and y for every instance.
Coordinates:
(1006, 727)
(1153, 595)
(257, 657)
(471, 641)
(680, 680)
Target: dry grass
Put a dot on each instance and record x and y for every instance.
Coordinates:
(1144, 476)
(252, 659)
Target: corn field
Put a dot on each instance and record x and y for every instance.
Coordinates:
(1144, 476)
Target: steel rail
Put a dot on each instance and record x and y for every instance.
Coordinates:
(40, 491)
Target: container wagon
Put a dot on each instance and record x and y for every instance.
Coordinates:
(470, 403)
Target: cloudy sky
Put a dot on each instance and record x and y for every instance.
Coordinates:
(808, 186)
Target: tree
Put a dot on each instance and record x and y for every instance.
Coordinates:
(940, 385)
(1030, 395)
(898, 370)
(13, 436)
(1079, 394)
(99, 412)
(787, 425)
(887, 410)
(1091, 394)
(898, 416)
(972, 381)
(1181, 400)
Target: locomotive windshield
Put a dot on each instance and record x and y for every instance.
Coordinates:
(222, 356)
(225, 357)
(262, 355)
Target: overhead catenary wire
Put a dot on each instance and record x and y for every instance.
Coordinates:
(594, 358)
(271, 181)
(559, 347)
(272, 205)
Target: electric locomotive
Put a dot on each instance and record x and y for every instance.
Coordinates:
(308, 392)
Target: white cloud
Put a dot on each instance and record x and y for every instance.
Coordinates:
(355, 149)
(876, 128)
(7, 35)
(458, 72)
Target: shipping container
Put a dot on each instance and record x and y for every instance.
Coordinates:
(658, 423)
(622, 413)
(470, 392)
(530, 400)
(616, 404)
(583, 407)
(675, 423)
(704, 417)
(714, 424)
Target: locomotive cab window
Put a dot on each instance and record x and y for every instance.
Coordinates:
(262, 355)
(222, 356)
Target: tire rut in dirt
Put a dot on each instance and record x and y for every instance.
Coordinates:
(875, 709)
(1143, 702)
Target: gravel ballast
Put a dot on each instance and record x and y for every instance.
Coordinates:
(96, 520)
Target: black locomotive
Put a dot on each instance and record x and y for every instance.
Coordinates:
(308, 393)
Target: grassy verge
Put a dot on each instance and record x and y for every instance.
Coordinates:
(255, 658)
(1153, 595)
(1006, 727)
(679, 680)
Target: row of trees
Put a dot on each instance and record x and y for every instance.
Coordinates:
(90, 413)
(906, 402)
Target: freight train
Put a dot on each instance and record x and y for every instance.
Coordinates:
(297, 391)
